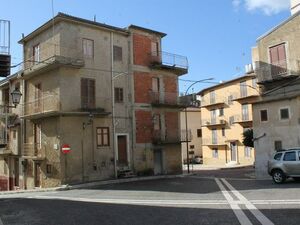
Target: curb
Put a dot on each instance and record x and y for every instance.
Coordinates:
(93, 184)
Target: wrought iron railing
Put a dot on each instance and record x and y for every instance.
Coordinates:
(169, 59)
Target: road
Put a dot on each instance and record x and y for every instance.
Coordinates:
(209, 197)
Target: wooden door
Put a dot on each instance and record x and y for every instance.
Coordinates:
(38, 98)
(37, 174)
(37, 138)
(122, 150)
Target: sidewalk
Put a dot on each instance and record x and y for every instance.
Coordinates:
(199, 167)
(93, 184)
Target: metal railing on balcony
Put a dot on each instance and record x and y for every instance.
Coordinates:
(166, 98)
(33, 150)
(49, 53)
(160, 137)
(216, 140)
(249, 93)
(242, 118)
(47, 103)
(221, 120)
(268, 71)
(207, 100)
(169, 60)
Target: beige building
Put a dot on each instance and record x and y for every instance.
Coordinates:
(276, 114)
(105, 91)
(226, 112)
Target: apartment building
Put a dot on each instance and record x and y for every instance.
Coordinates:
(276, 114)
(226, 112)
(108, 94)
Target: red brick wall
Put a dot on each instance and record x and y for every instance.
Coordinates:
(170, 84)
(141, 49)
(143, 126)
(171, 121)
(142, 87)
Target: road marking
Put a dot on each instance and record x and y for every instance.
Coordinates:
(241, 216)
(1, 222)
(258, 214)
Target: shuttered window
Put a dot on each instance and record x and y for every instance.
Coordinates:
(157, 122)
(117, 53)
(88, 48)
(278, 60)
(102, 136)
(87, 93)
(154, 49)
(119, 97)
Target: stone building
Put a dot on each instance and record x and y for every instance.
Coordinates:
(276, 115)
(226, 112)
(109, 93)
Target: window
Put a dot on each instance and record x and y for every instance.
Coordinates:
(231, 120)
(243, 89)
(49, 168)
(156, 122)
(254, 83)
(88, 48)
(192, 146)
(117, 53)
(263, 115)
(284, 114)
(212, 97)
(278, 145)
(199, 133)
(214, 136)
(215, 153)
(221, 112)
(247, 152)
(119, 95)
(102, 136)
(289, 156)
(36, 54)
(278, 156)
(213, 114)
(155, 84)
(223, 132)
(230, 99)
(245, 112)
(154, 49)
(87, 93)
(278, 60)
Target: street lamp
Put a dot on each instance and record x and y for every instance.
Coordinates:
(186, 124)
(16, 96)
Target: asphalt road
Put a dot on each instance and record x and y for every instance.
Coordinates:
(210, 197)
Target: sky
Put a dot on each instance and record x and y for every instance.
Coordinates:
(215, 35)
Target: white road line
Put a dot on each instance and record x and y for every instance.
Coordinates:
(241, 216)
(258, 214)
(1, 222)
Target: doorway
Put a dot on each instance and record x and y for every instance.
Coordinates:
(37, 174)
(233, 150)
(122, 150)
(158, 167)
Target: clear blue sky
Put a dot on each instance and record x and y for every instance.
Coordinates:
(215, 35)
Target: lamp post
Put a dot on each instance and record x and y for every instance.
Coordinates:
(186, 124)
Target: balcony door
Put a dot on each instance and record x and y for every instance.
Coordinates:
(122, 150)
(213, 116)
(278, 60)
(245, 112)
(37, 97)
(214, 136)
(243, 89)
(37, 138)
(233, 150)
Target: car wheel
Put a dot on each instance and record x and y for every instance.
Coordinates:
(278, 176)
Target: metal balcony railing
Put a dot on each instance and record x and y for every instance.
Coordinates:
(167, 137)
(169, 60)
(33, 150)
(49, 54)
(249, 93)
(217, 140)
(221, 120)
(242, 118)
(280, 69)
(166, 98)
(208, 101)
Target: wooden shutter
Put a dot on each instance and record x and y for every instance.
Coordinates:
(281, 53)
(273, 55)
(91, 94)
(155, 84)
(84, 93)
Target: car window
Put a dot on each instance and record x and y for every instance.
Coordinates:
(289, 156)
(298, 155)
(278, 156)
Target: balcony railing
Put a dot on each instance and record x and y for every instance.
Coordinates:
(208, 101)
(49, 54)
(244, 95)
(242, 118)
(160, 137)
(33, 150)
(219, 140)
(166, 98)
(169, 61)
(281, 69)
(47, 103)
(214, 121)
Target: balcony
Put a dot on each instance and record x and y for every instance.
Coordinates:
(208, 102)
(170, 62)
(281, 70)
(172, 137)
(49, 57)
(166, 99)
(214, 122)
(51, 105)
(248, 96)
(214, 141)
(33, 151)
(244, 120)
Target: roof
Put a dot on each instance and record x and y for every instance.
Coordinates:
(252, 75)
(6, 79)
(278, 26)
(65, 17)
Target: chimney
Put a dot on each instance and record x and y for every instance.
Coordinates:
(295, 6)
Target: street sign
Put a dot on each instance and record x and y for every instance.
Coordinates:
(65, 148)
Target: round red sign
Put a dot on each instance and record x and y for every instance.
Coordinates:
(65, 148)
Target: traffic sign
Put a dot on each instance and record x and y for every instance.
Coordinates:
(65, 148)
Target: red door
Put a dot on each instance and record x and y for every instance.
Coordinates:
(122, 150)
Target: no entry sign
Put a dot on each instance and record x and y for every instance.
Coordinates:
(65, 148)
